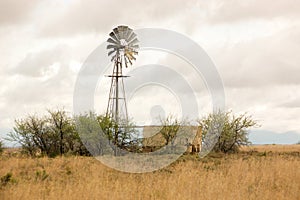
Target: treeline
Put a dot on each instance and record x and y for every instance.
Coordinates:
(58, 133)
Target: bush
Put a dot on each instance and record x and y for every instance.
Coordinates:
(99, 134)
(51, 135)
(232, 130)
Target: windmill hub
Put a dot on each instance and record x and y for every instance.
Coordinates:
(123, 42)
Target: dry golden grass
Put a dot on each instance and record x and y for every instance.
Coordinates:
(273, 148)
(248, 175)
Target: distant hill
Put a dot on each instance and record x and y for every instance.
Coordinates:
(270, 137)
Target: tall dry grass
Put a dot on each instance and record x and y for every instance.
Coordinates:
(273, 148)
(248, 175)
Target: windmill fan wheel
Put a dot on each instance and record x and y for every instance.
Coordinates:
(123, 44)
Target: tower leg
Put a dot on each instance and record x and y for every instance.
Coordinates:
(117, 107)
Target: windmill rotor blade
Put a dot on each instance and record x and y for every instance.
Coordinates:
(129, 35)
(125, 33)
(112, 34)
(127, 54)
(129, 61)
(120, 59)
(133, 57)
(133, 41)
(122, 30)
(128, 49)
(120, 33)
(116, 32)
(113, 57)
(111, 52)
(128, 32)
(130, 56)
(112, 41)
(134, 46)
(132, 36)
(126, 61)
(132, 52)
(110, 46)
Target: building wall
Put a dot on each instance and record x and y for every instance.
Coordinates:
(153, 139)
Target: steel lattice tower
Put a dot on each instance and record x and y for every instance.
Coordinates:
(123, 48)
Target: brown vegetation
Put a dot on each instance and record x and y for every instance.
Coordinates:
(263, 172)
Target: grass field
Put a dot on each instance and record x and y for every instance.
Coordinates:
(258, 172)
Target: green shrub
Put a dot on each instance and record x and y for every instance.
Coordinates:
(52, 134)
(231, 131)
(41, 175)
(6, 179)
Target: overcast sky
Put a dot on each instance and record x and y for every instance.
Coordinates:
(254, 44)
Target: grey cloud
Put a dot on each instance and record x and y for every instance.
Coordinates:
(271, 60)
(294, 103)
(28, 92)
(15, 11)
(96, 16)
(236, 10)
(29, 89)
(36, 64)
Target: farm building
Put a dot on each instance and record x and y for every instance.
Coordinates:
(189, 137)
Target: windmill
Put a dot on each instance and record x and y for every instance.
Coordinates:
(122, 47)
